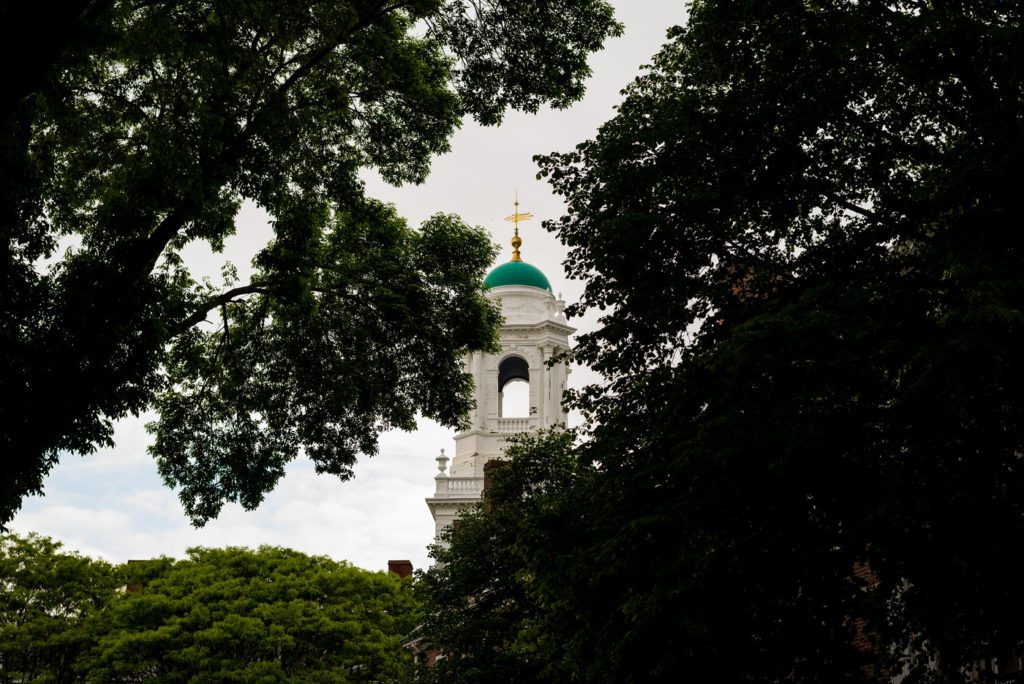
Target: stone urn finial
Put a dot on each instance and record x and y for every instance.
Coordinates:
(442, 463)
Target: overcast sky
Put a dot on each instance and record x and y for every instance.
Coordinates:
(113, 504)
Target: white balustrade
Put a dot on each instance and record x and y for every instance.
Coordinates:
(513, 425)
(459, 485)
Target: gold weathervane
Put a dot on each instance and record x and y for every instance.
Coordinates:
(515, 219)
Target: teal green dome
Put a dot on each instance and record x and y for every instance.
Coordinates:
(517, 273)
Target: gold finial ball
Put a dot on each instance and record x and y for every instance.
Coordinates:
(515, 219)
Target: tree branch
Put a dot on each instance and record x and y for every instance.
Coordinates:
(845, 204)
(221, 300)
(327, 48)
(225, 298)
(152, 247)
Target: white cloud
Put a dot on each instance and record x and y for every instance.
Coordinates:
(113, 505)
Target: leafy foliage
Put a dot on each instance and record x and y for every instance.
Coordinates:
(219, 615)
(484, 610)
(132, 129)
(805, 466)
(355, 339)
(267, 615)
(48, 598)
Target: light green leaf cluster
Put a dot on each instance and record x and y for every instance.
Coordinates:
(49, 599)
(220, 615)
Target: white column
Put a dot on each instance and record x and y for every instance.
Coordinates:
(479, 391)
(543, 379)
(558, 378)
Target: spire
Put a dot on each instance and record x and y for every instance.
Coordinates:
(515, 218)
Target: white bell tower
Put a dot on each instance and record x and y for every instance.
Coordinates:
(534, 331)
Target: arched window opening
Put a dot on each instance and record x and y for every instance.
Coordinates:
(515, 400)
(514, 388)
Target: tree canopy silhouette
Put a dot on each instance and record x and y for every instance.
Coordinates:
(802, 230)
(130, 129)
